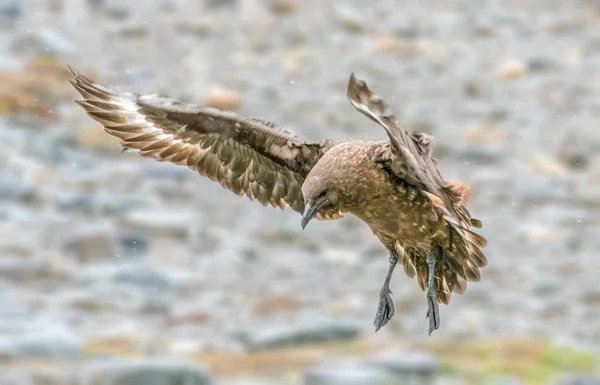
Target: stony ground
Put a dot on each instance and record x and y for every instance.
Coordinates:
(106, 256)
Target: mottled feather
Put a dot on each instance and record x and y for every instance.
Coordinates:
(255, 158)
(248, 156)
(409, 153)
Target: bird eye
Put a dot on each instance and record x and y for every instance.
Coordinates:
(323, 193)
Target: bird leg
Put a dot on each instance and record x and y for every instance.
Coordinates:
(385, 309)
(433, 309)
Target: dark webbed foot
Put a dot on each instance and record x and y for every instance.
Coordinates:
(433, 309)
(385, 309)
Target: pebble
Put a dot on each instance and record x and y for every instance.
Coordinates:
(576, 379)
(43, 41)
(92, 243)
(144, 277)
(51, 343)
(512, 70)
(223, 99)
(350, 20)
(302, 333)
(11, 10)
(149, 372)
(348, 375)
(161, 222)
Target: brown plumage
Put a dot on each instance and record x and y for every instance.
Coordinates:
(393, 185)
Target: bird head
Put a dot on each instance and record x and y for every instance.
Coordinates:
(319, 195)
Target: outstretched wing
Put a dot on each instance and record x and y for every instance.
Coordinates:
(410, 153)
(247, 156)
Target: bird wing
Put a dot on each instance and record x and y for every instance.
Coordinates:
(410, 153)
(248, 156)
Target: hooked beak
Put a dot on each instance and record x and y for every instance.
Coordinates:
(309, 213)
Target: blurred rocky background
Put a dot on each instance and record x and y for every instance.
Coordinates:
(118, 270)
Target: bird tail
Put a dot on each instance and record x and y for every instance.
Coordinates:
(460, 261)
(460, 194)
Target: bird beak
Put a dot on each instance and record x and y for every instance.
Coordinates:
(309, 213)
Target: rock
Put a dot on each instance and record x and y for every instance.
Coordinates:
(591, 296)
(407, 367)
(221, 3)
(576, 379)
(133, 242)
(350, 20)
(348, 375)
(481, 155)
(547, 285)
(512, 70)
(145, 277)
(148, 372)
(52, 376)
(167, 222)
(49, 343)
(283, 6)
(74, 202)
(27, 271)
(276, 303)
(390, 44)
(17, 190)
(43, 42)
(547, 165)
(16, 377)
(302, 333)
(116, 9)
(11, 10)
(540, 189)
(92, 243)
(17, 247)
(540, 64)
(223, 99)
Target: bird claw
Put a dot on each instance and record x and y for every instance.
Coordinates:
(385, 310)
(433, 313)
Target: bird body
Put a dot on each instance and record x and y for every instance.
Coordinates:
(392, 185)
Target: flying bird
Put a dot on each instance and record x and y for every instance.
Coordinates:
(392, 185)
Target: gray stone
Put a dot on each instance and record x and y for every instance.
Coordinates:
(43, 42)
(11, 10)
(319, 331)
(116, 9)
(48, 343)
(547, 285)
(17, 190)
(398, 369)
(539, 64)
(14, 377)
(92, 243)
(576, 379)
(26, 271)
(221, 3)
(591, 296)
(162, 222)
(350, 19)
(148, 372)
(481, 155)
(74, 202)
(348, 375)
(143, 277)
(133, 242)
(407, 364)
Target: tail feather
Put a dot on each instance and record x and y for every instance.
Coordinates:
(461, 262)
(459, 194)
